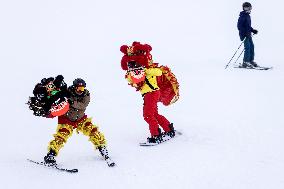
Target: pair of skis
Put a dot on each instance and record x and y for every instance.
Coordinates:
(254, 68)
(109, 162)
(54, 166)
(57, 167)
(240, 65)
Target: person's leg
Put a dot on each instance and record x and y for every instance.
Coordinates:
(247, 48)
(150, 110)
(92, 131)
(163, 122)
(64, 131)
(96, 137)
(251, 50)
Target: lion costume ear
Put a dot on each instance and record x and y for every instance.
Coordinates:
(124, 62)
(59, 82)
(123, 49)
(147, 47)
(45, 81)
(138, 52)
(136, 43)
(138, 47)
(39, 89)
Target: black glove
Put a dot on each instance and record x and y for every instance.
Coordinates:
(254, 31)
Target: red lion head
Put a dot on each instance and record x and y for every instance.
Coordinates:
(138, 52)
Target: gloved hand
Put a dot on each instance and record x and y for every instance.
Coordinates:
(254, 31)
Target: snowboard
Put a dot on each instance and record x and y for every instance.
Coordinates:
(164, 139)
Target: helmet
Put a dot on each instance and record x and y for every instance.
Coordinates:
(79, 82)
(246, 4)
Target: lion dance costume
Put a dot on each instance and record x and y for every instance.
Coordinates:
(69, 105)
(155, 83)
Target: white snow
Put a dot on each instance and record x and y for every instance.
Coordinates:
(232, 119)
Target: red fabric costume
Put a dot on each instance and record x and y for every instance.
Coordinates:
(160, 84)
(151, 115)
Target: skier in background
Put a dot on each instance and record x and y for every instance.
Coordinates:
(245, 30)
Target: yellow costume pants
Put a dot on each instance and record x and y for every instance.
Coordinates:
(64, 131)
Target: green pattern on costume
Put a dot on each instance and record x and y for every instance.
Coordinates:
(53, 93)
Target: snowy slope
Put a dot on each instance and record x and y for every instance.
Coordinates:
(232, 119)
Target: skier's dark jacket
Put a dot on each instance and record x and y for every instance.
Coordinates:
(244, 25)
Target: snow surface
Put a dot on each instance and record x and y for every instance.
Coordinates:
(232, 119)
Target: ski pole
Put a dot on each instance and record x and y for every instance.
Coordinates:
(242, 51)
(239, 56)
(235, 53)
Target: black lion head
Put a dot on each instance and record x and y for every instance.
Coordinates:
(50, 97)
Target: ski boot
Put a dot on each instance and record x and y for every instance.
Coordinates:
(49, 159)
(254, 64)
(247, 65)
(104, 153)
(155, 139)
(171, 133)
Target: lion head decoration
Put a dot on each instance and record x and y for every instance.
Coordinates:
(50, 97)
(137, 52)
(136, 58)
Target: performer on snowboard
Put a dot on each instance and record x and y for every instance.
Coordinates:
(142, 74)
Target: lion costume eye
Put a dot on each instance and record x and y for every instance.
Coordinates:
(50, 86)
(133, 65)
